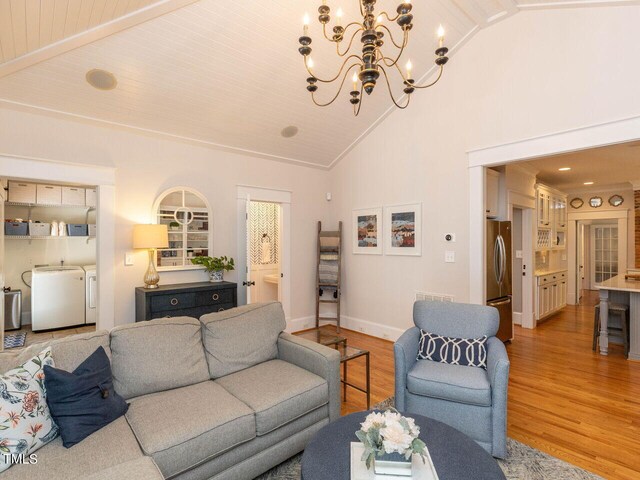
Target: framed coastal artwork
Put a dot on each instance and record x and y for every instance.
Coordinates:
(367, 230)
(403, 229)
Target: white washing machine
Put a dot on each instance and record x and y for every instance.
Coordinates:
(57, 297)
(91, 299)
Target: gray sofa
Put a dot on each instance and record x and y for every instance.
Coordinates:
(228, 396)
(473, 400)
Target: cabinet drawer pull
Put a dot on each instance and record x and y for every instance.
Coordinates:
(215, 296)
(221, 309)
(174, 301)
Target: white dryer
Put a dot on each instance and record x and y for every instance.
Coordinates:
(57, 297)
(91, 298)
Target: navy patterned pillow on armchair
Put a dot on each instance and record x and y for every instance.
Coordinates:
(470, 352)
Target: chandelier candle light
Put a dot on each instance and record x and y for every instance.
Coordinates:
(371, 62)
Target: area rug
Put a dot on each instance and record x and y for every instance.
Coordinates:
(14, 340)
(522, 463)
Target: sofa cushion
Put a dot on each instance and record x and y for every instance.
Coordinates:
(142, 468)
(112, 445)
(184, 427)
(67, 353)
(455, 383)
(83, 401)
(241, 337)
(157, 355)
(277, 391)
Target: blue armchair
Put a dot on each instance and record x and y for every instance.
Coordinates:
(471, 399)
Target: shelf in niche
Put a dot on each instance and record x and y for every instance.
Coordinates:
(46, 205)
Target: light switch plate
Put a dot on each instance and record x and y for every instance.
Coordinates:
(128, 259)
(518, 253)
(449, 256)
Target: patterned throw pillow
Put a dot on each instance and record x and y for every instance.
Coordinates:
(25, 420)
(454, 351)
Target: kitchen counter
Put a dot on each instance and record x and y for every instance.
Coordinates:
(620, 284)
(619, 290)
(542, 273)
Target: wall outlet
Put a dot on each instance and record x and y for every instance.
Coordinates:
(128, 259)
(449, 256)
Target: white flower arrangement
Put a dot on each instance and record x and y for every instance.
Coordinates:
(388, 433)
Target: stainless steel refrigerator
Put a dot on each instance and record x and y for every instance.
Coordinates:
(499, 275)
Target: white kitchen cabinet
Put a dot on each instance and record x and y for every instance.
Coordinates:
(491, 193)
(551, 210)
(551, 294)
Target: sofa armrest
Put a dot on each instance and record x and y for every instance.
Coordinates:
(498, 371)
(319, 359)
(405, 352)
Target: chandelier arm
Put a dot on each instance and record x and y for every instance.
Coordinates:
(334, 78)
(394, 62)
(434, 82)
(350, 44)
(337, 93)
(324, 31)
(390, 34)
(391, 93)
(388, 17)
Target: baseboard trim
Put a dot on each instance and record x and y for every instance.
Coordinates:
(350, 323)
(517, 318)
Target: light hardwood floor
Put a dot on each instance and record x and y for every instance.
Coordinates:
(564, 399)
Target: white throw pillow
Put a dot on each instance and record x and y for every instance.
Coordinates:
(25, 421)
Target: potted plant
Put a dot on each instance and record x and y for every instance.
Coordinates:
(389, 441)
(216, 266)
(174, 226)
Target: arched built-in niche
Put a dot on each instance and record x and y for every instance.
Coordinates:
(188, 217)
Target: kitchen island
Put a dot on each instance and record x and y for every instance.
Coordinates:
(620, 290)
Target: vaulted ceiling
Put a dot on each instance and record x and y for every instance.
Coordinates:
(224, 74)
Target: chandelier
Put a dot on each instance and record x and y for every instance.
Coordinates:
(371, 63)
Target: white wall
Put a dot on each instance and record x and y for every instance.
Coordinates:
(536, 73)
(146, 166)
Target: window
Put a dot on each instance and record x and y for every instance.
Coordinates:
(188, 218)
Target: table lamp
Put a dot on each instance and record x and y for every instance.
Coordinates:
(150, 237)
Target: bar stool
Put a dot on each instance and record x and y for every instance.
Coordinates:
(614, 309)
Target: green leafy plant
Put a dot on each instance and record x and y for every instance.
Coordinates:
(213, 264)
(174, 225)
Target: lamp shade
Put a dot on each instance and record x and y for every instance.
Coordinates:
(150, 236)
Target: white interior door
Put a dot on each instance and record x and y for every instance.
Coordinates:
(604, 253)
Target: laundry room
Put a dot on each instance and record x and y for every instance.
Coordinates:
(49, 259)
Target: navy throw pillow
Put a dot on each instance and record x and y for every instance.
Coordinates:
(83, 401)
(454, 351)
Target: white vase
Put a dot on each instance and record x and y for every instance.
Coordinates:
(216, 276)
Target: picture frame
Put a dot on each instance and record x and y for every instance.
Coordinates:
(367, 231)
(403, 229)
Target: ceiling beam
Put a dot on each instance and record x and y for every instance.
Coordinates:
(132, 19)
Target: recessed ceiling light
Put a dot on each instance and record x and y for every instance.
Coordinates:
(588, 183)
(564, 169)
(290, 131)
(101, 79)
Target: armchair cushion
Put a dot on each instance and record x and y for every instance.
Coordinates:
(470, 352)
(455, 383)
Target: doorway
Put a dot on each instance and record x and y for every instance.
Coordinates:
(604, 253)
(264, 261)
(263, 252)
